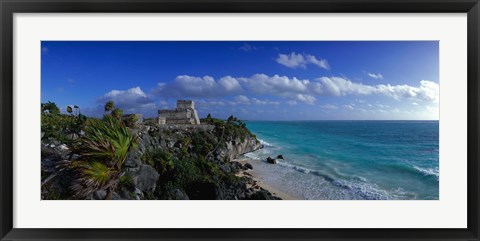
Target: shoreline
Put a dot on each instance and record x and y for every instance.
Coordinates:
(258, 180)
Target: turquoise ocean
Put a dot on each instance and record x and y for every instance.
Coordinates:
(344, 160)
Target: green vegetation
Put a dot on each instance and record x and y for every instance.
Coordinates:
(109, 106)
(117, 113)
(130, 120)
(193, 165)
(233, 127)
(103, 148)
(103, 145)
(161, 160)
(60, 128)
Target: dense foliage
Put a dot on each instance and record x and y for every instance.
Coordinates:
(189, 164)
(60, 128)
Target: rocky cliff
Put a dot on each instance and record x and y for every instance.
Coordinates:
(171, 162)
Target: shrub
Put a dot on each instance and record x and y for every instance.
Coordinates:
(103, 149)
(162, 161)
(130, 120)
(60, 128)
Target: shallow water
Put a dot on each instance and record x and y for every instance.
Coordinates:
(350, 159)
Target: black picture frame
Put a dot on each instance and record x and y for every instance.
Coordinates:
(9, 7)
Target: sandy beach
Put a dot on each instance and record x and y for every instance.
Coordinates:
(258, 181)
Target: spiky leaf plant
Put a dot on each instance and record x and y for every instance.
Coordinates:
(103, 148)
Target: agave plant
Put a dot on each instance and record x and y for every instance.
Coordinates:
(103, 148)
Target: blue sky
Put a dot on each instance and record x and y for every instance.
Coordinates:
(253, 80)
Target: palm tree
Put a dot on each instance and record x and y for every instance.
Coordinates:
(109, 106)
(104, 148)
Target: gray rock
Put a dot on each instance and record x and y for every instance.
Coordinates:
(280, 157)
(138, 194)
(146, 178)
(271, 160)
(132, 160)
(225, 168)
(179, 195)
(163, 144)
(116, 196)
(248, 165)
(99, 195)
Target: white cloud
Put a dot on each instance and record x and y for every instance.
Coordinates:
(242, 99)
(382, 106)
(195, 86)
(264, 102)
(230, 84)
(294, 60)
(350, 107)
(322, 63)
(375, 76)
(247, 47)
(308, 99)
(274, 85)
(133, 100)
(427, 91)
(191, 86)
(338, 86)
(289, 88)
(329, 107)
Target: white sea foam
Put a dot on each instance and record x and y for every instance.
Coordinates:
(371, 191)
(264, 143)
(428, 171)
(295, 167)
(316, 184)
(330, 183)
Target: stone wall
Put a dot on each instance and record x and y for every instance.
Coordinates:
(185, 113)
(186, 127)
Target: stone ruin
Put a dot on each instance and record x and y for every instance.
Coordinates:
(185, 113)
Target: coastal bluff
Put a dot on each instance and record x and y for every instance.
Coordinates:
(170, 161)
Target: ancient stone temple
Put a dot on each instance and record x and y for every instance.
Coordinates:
(185, 113)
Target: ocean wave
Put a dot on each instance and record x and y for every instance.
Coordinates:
(371, 191)
(353, 186)
(265, 143)
(428, 171)
(295, 167)
(356, 185)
